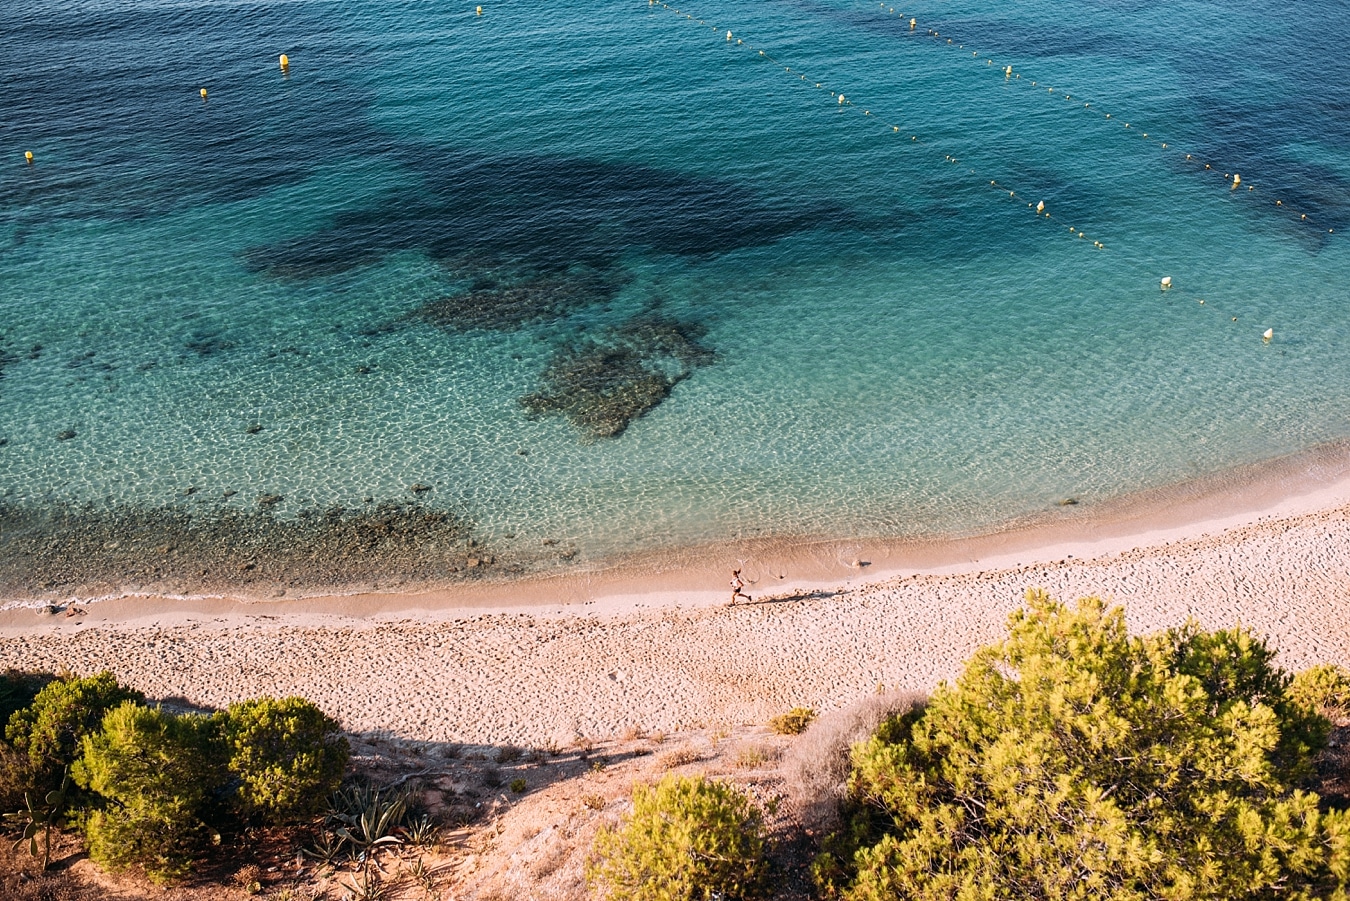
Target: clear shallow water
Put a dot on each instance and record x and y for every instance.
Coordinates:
(901, 348)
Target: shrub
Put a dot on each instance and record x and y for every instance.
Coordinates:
(1324, 688)
(794, 722)
(816, 766)
(49, 730)
(1073, 761)
(156, 772)
(288, 755)
(687, 839)
(45, 735)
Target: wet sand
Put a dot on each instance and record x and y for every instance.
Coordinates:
(650, 643)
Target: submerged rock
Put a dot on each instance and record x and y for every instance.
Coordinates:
(508, 305)
(602, 384)
(56, 546)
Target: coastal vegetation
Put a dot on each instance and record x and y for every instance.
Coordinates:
(1070, 759)
(687, 839)
(158, 787)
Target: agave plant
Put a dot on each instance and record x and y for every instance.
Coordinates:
(374, 827)
(421, 832)
(365, 886)
(41, 819)
(327, 850)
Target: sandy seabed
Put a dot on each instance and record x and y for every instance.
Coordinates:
(547, 662)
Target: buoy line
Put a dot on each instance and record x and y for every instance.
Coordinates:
(841, 100)
(1231, 179)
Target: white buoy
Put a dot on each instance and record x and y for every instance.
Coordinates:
(1040, 207)
(1268, 334)
(728, 35)
(1007, 73)
(1166, 282)
(841, 98)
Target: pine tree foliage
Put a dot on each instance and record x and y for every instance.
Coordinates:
(688, 838)
(1073, 761)
(49, 730)
(1324, 688)
(157, 773)
(289, 757)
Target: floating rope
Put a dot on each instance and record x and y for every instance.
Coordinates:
(1232, 180)
(842, 100)
(1039, 207)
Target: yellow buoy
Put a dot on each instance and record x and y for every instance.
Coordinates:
(1268, 334)
(479, 11)
(912, 23)
(728, 35)
(1007, 73)
(28, 155)
(841, 98)
(1040, 206)
(203, 93)
(1237, 179)
(1166, 282)
(285, 61)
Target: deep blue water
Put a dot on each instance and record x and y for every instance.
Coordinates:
(376, 254)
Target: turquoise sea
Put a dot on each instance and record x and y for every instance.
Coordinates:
(334, 283)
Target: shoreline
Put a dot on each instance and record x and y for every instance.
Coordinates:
(538, 667)
(1308, 482)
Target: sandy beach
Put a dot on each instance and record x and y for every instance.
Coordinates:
(594, 654)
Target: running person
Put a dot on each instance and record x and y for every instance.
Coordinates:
(737, 583)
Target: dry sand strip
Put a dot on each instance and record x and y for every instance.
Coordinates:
(541, 676)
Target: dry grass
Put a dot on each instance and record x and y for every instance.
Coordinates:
(678, 757)
(815, 768)
(755, 756)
